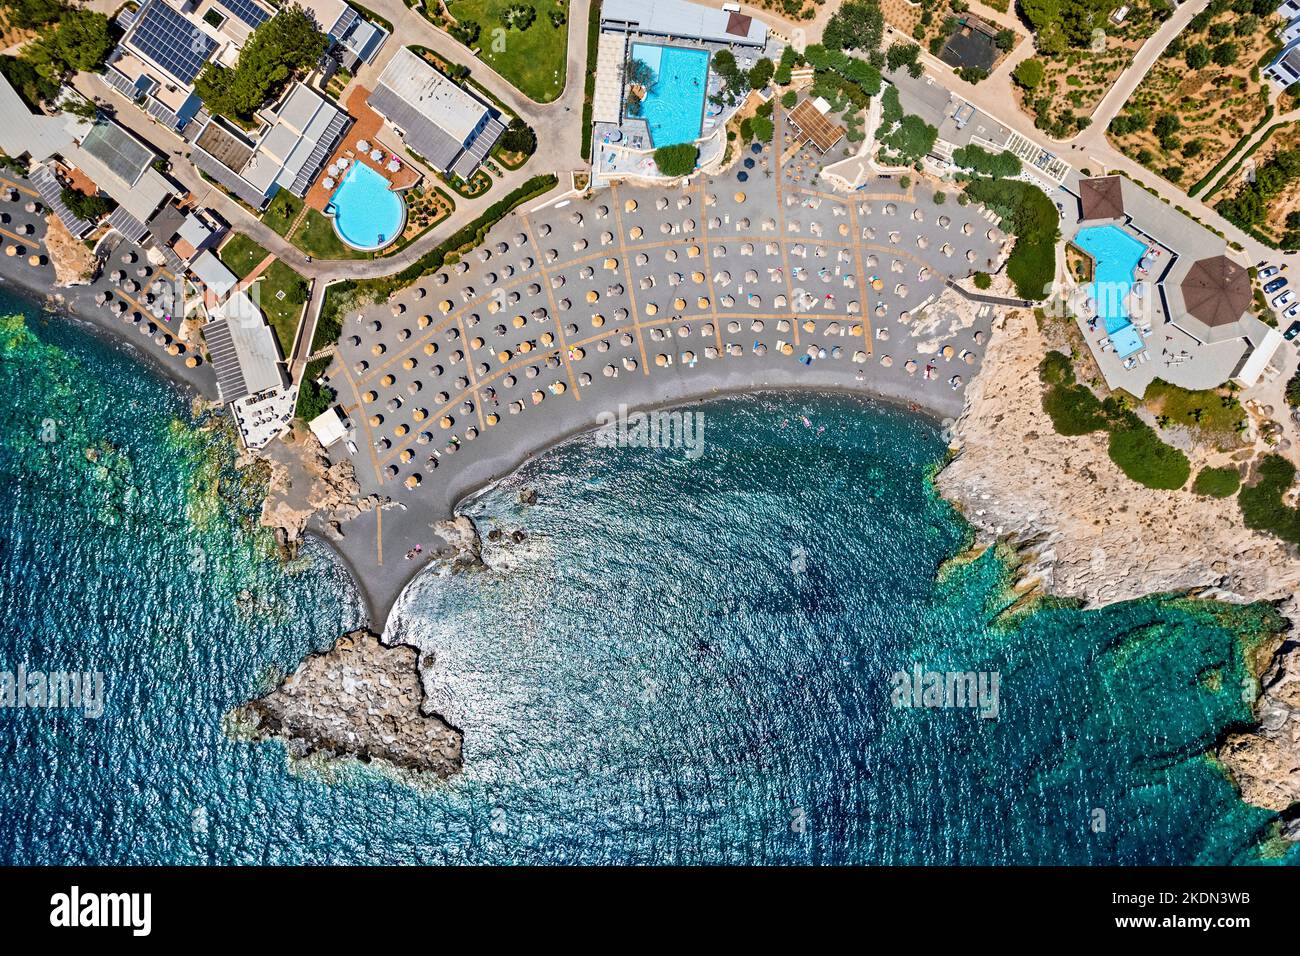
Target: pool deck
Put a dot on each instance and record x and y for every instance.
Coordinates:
(659, 94)
(367, 125)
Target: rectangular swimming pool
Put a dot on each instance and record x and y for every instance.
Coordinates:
(1115, 255)
(674, 106)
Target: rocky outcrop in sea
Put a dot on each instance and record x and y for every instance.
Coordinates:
(361, 699)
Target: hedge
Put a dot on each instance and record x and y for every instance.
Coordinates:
(329, 324)
(1227, 158)
(589, 90)
(1261, 503)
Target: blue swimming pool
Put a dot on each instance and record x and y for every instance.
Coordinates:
(674, 107)
(1115, 255)
(367, 214)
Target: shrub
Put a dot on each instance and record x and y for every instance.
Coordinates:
(1029, 73)
(1197, 56)
(1261, 503)
(789, 98)
(1138, 451)
(676, 160)
(1036, 224)
(1073, 408)
(1226, 54)
(983, 280)
(466, 32)
(1293, 391)
(1217, 482)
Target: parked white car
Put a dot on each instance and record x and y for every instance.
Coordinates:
(1292, 312)
(1283, 300)
(1268, 272)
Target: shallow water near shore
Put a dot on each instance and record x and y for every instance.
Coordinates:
(687, 660)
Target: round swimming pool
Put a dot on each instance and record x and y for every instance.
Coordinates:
(367, 214)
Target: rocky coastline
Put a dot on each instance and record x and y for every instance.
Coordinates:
(1083, 530)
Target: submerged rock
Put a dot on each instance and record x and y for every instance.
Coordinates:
(360, 699)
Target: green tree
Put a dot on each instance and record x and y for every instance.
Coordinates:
(1293, 391)
(33, 14)
(282, 48)
(763, 129)
(901, 55)
(519, 138)
(640, 74)
(80, 42)
(89, 208)
(856, 25)
(1226, 54)
(1197, 56)
(676, 160)
(1029, 73)
(760, 74)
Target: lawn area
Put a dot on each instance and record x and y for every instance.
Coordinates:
(282, 295)
(1214, 414)
(533, 59)
(317, 238)
(241, 254)
(282, 211)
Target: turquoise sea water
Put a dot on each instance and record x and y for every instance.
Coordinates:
(674, 107)
(687, 661)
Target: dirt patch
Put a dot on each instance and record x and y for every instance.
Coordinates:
(73, 263)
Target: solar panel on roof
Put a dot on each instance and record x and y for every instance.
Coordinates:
(171, 41)
(247, 11)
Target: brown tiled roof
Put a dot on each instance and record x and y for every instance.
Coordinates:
(1102, 198)
(810, 121)
(1216, 291)
(738, 24)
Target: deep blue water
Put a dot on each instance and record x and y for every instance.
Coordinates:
(687, 661)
